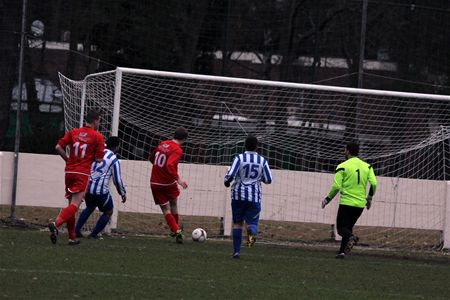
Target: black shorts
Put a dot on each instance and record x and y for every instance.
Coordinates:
(348, 215)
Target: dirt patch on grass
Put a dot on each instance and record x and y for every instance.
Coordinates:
(272, 231)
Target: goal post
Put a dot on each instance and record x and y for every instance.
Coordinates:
(302, 130)
(78, 99)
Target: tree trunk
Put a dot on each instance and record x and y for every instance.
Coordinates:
(74, 39)
(286, 38)
(192, 27)
(9, 16)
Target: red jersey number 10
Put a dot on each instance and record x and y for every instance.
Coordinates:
(79, 147)
(160, 159)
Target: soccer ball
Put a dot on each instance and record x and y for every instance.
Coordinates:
(199, 235)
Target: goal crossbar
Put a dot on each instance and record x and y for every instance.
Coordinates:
(327, 88)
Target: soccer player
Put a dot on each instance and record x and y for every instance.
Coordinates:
(164, 179)
(350, 180)
(97, 194)
(86, 146)
(247, 172)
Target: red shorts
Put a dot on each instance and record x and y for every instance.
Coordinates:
(75, 183)
(162, 194)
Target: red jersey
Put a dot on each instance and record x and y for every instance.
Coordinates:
(86, 145)
(165, 163)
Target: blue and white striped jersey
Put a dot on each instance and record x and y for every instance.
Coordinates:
(248, 170)
(101, 173)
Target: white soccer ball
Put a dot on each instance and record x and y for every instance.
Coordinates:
(199, 235)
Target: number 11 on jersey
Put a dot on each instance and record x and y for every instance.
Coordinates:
(83, 148)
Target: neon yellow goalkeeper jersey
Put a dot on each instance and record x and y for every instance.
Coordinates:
(350, 180)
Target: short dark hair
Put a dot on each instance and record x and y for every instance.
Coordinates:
(113, 142)
(251, 143)
(353, 148)
(180, 134)
(92, 115)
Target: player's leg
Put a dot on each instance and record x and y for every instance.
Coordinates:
(237, 238)
(174, 211)
(165, 209)
(238, 220)
(251, 217)
(54, 232)
(75, 188)
(70, 210)
(162, 196)
(106, 207)
(85, 214)
(172, 193)
(67, 215)
(343, 224)
(71, 231)
(354, 214)
(75, 202)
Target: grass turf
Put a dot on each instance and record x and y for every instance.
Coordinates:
(148, 268)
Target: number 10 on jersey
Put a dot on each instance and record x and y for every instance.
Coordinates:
(160, 159)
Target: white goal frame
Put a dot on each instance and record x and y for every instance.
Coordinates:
(227, 213)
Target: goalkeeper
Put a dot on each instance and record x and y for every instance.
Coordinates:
(350, 181)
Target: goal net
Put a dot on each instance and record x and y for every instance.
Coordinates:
(302, 129)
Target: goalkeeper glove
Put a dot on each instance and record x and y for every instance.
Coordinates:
(369, 202)
(326, 201)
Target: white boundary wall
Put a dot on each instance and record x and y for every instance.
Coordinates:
(294, 196)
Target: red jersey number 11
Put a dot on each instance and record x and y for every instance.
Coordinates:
(78, 146)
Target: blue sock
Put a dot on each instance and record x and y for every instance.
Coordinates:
(237, 239)
(82, 219)
(101, 223)
(252, 229)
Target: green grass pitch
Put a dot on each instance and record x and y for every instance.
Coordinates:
(157, 268)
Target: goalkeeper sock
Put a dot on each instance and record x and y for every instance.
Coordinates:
(237, 239)
(82, 219)
(171, 222)
(176, 217)
(66, 214)
(101, 223)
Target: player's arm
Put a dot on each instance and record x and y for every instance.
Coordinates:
(232, 171)
(337, 183)
(117, 179)
(99, 148)
(267, 174)
(61, 145)
(373, 182)
(335, 187)
(151, 158)
(172, 167)
(373, 187)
